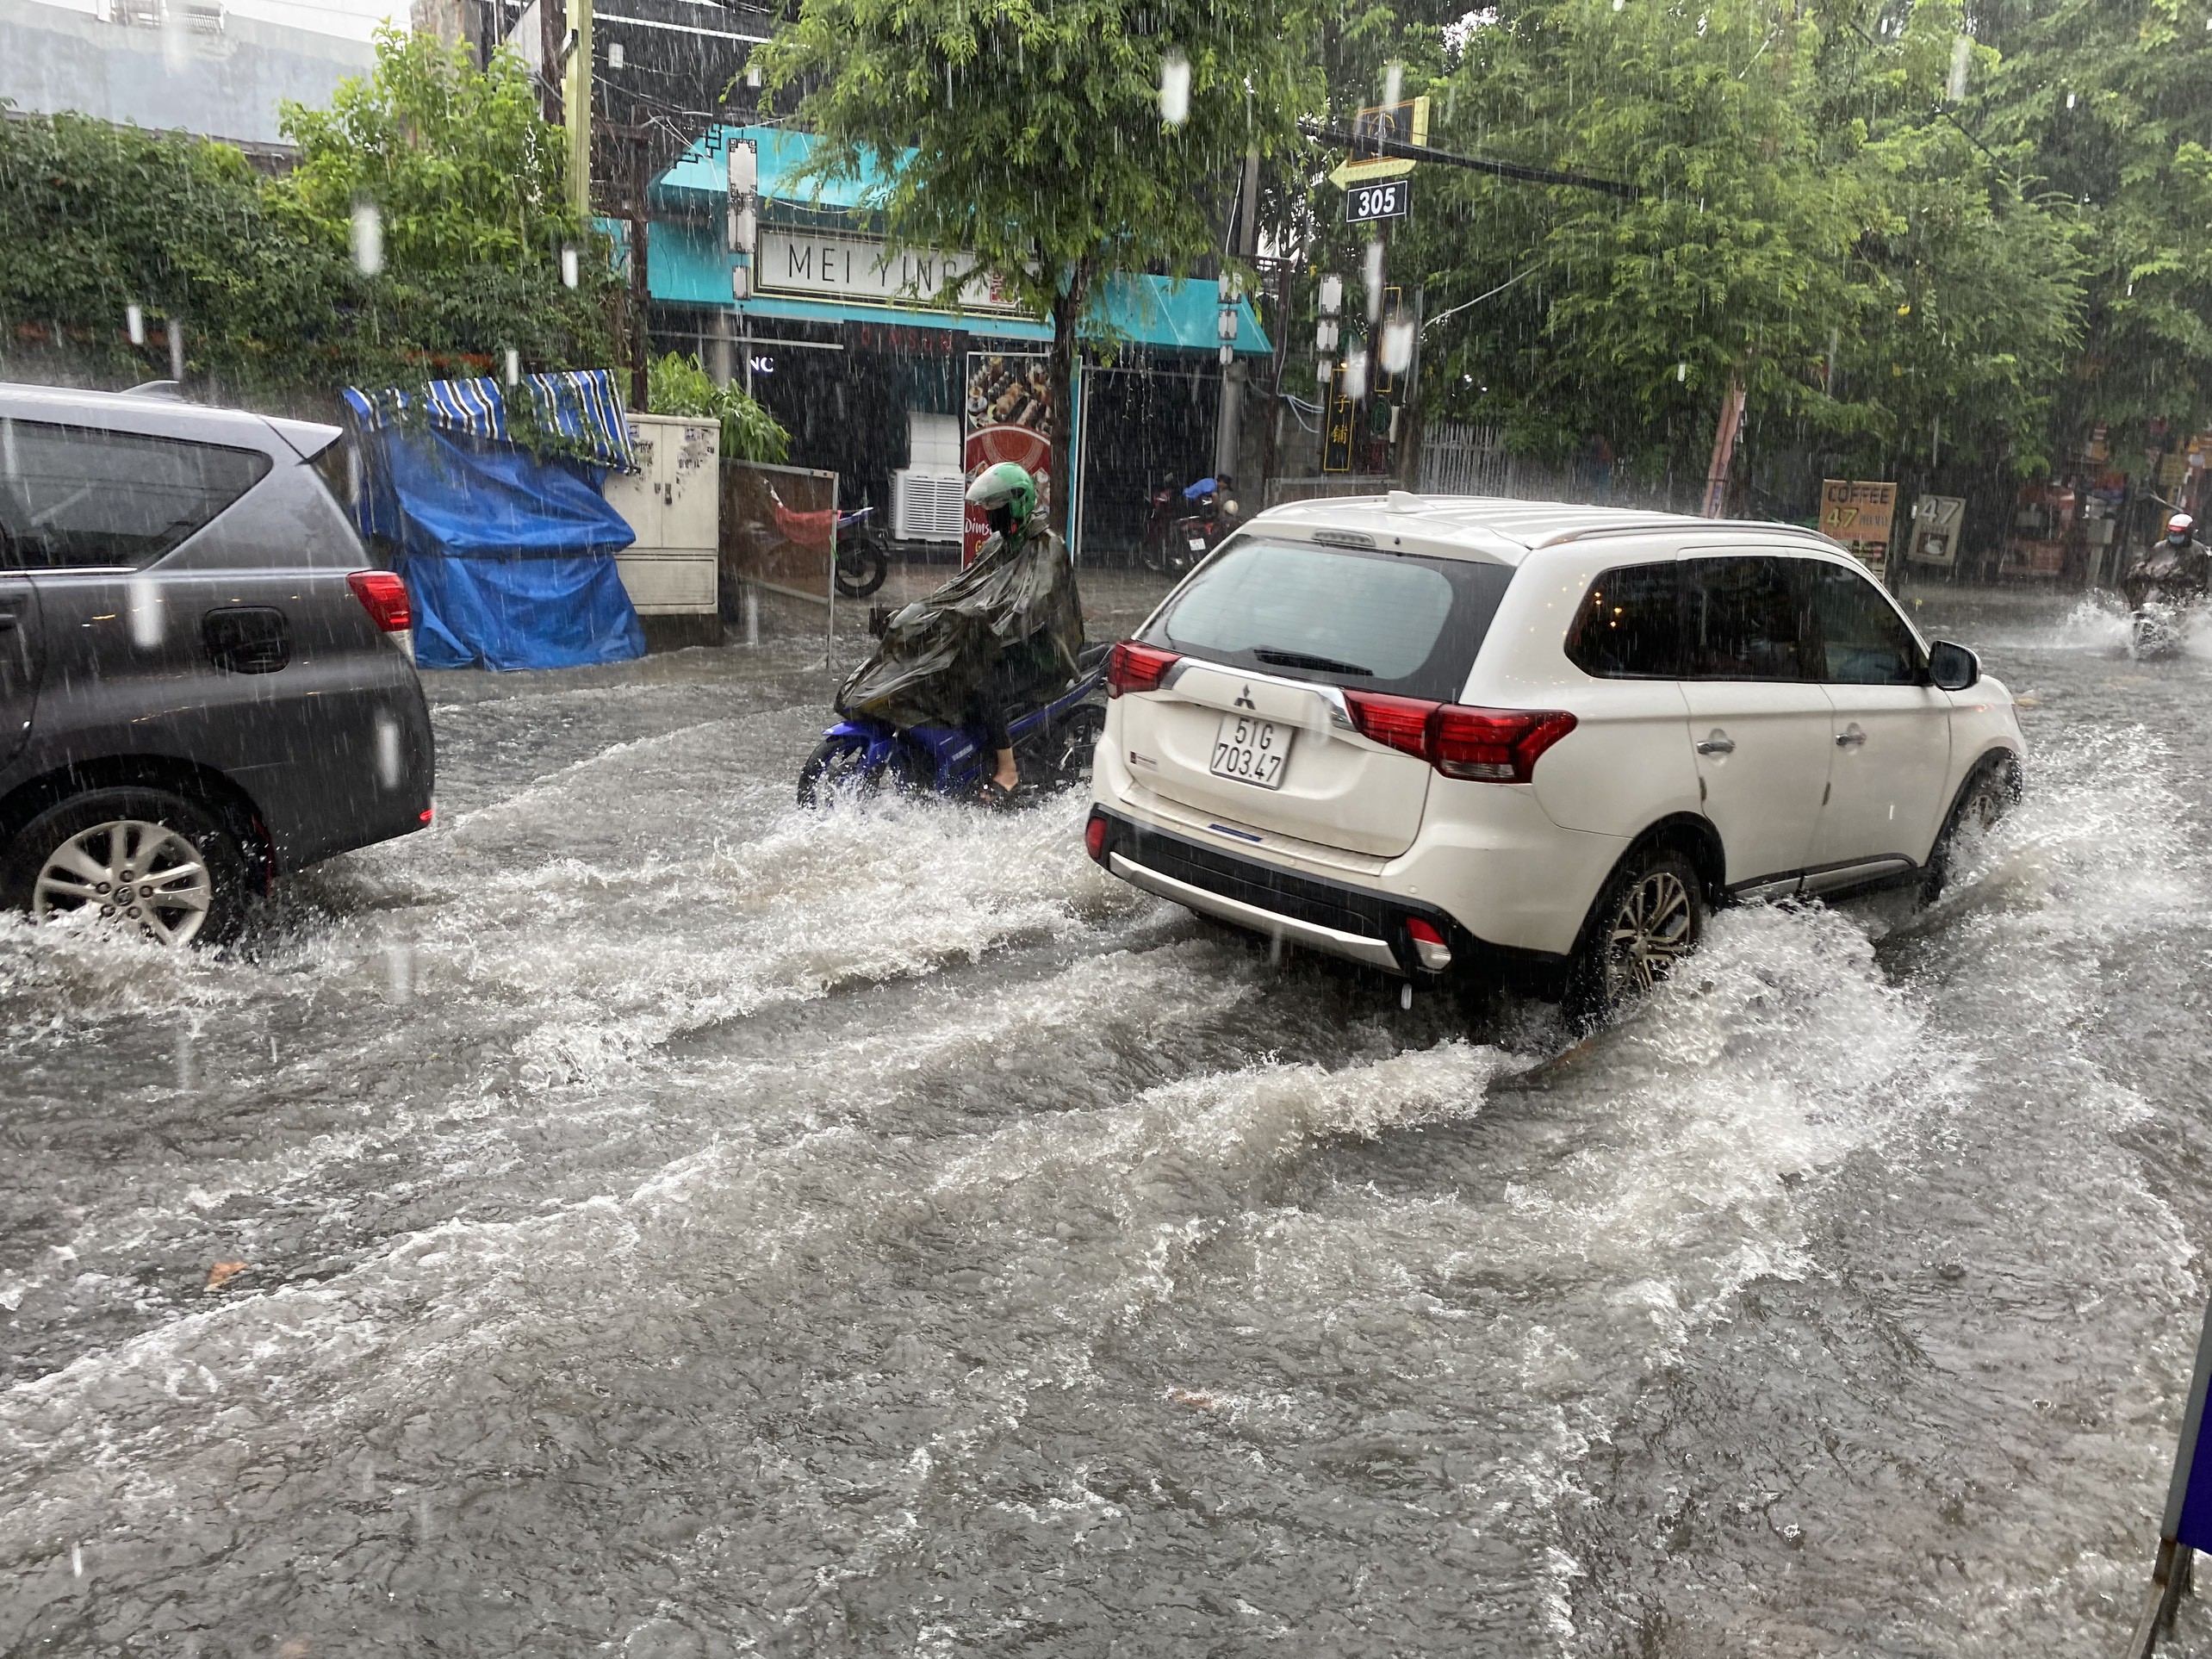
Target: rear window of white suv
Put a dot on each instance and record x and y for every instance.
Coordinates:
(1400, 623)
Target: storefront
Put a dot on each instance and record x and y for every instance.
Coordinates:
(844, 341)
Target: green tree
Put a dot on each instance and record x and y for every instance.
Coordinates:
(1813, 223)
(2105, 103)
(466, 182)
(455, 160)
(1031, 135)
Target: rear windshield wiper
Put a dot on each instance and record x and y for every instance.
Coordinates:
(1307, 660)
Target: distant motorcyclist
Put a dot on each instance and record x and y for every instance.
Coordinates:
(2177, 569)
(1003, 634)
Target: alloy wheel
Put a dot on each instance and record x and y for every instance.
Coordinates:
(1654, 928)
(135, 873)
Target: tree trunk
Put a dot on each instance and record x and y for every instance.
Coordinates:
(1068, 313)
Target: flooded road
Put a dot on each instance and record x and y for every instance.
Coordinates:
(672, 1224)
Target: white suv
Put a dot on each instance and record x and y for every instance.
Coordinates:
(1535, 742)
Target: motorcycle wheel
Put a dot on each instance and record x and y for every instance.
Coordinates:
(838, 769)
(1074, 744)
(861, 570)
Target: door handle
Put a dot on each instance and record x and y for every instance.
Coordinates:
(1717, 742)
(1851, 737)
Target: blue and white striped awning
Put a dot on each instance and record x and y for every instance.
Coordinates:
(579, 404)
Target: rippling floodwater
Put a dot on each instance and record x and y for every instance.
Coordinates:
(675, 1224)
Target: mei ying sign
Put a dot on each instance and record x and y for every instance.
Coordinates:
(862, 271)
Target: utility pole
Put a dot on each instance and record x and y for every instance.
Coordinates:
(1228, 431)
(552, 25)
(579, 45)
(640, 348)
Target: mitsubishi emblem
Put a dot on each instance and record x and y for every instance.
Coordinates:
(1244, 699)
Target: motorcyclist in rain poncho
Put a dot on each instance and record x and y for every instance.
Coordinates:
(2177, 567)
(1001, 636)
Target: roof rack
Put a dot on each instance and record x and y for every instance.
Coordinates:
(1628, 526)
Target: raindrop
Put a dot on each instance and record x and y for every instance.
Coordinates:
(1372, 272)
(1397, 344)
(614, 57)
(568, 267)
(513, 367)
(1175, 89)
(1961, 55)
(399, 971)
(145, 609)
(77, 1560)
(134, 323)
(1681, 373)
(187, 1066)
(1394, 78)
(177, 349)
(2070, 100)
(1355, 373)
(367, 238)
(387, 751)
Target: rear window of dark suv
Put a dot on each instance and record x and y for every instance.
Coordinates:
(1406, 623)
(78, 497)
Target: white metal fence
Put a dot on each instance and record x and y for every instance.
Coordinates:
(1460, 458)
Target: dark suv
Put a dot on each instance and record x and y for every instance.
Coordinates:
(203, 683)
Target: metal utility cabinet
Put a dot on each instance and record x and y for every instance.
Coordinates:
(674, 502)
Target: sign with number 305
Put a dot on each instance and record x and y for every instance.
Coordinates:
(1387, 198)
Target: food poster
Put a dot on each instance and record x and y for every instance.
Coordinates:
(1860, 515)
(1936, 521)
(1008, 418)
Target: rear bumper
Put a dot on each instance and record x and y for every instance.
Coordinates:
(1358, 924)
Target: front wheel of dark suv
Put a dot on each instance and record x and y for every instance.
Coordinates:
(1649, 916)
(142, 860)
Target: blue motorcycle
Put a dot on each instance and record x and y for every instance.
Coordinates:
(1053, 745)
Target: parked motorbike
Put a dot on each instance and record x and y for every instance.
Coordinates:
(1174, 542)
(863, 554)
(1052, 744)
(862, 558)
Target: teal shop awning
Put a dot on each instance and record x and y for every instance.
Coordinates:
(688, 266)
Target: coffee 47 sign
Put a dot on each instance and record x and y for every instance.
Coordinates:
(860, 270)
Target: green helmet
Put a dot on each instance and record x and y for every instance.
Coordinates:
(1005, 484)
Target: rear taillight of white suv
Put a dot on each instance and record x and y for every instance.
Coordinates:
(1486, 745)
(1133, 668)
(384, 597)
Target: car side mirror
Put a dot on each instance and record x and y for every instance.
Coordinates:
(1952, 667)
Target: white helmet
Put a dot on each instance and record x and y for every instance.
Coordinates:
(2180, 525)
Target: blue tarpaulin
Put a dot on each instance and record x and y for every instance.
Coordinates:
(508, 558)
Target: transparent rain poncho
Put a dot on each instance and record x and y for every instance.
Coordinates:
(1016, 603)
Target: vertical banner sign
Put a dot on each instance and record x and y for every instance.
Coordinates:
(1009, 412)
(1860, 515)
(2187, 1525)
(1336, 434)
(1935, 520)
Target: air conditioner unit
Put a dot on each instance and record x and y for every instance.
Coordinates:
(927, 505)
